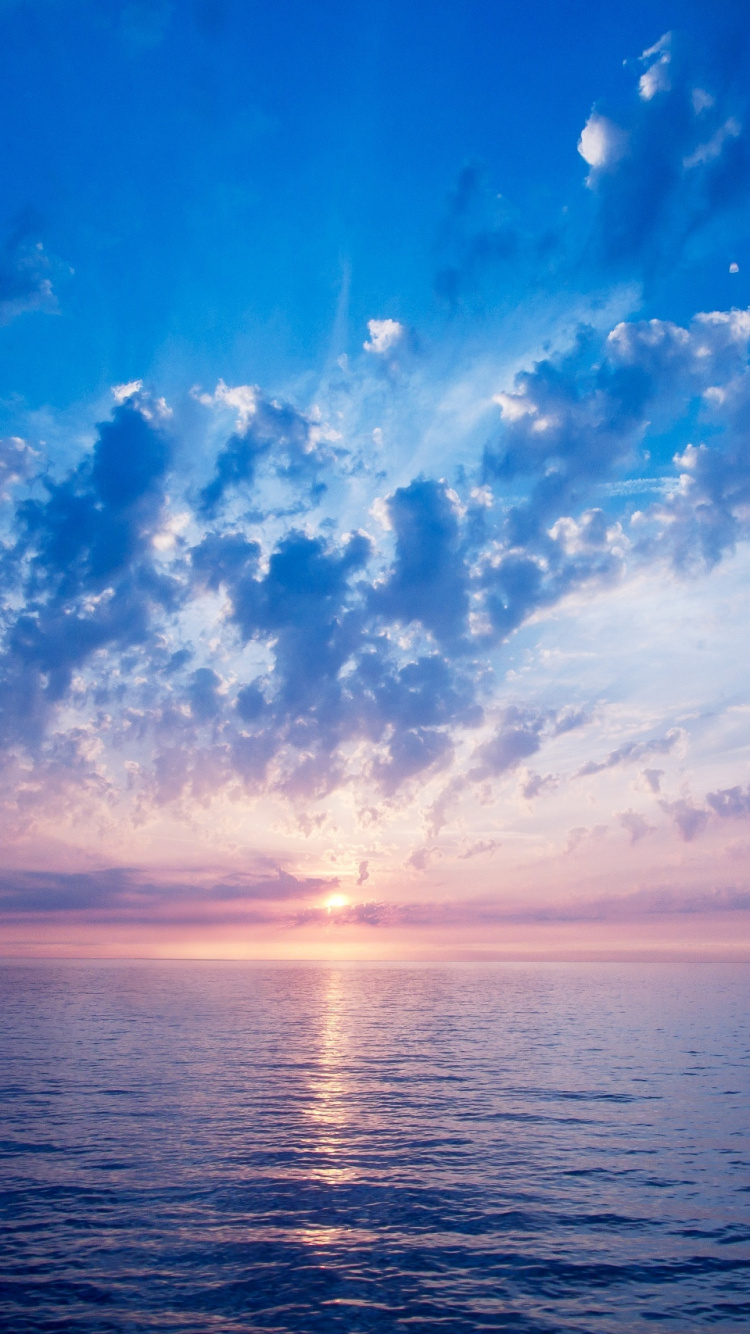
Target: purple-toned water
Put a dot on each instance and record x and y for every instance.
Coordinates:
(231, 1147)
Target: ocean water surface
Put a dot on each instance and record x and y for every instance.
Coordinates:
(216, 1147)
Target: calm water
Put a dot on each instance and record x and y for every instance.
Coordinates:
(223, 1147)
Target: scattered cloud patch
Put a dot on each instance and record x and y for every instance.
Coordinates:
(385, 335)
(632, 751)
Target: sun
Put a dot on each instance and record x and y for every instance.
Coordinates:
(336, 901)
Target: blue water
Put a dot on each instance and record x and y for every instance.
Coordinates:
(230, 1147)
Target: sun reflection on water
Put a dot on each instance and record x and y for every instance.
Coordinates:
(330, 1086)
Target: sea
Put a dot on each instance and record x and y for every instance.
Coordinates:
(292, 1148)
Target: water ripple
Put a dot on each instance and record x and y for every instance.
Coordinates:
(293, 1149)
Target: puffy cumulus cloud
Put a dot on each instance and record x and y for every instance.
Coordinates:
(677, 159)
(221, 646)
(705, 364)
(730, 803)
(429, 581)
(569, 418)
(602, 144)
(371, 663)
(385, 335)
(268, 435)
(412, 751)
(580, 419)
(82, 575)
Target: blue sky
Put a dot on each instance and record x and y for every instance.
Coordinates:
(376, 476)
(215, 174)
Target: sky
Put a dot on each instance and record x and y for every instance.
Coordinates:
(375, 479)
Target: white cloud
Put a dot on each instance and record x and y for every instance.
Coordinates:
(708, 152)
(243, 398)
(515, 406)
(602, 143)
(701, 100)
(121, 392)
(656, 78)
(384, 334)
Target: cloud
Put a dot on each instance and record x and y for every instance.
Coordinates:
(602, 143)
(17, 460)
(370, 662)
(479, 849)
(533, 784)
(267, 434)
(483, 914)
(636, 825)
(204, 694)
(679, 162)
(121, 894)
(429, 581)
(84, 568)
(632, 751)
(25, 269)
(411, 752)
(197, 595)
(385, 335)
(712, 149)
(518, 736)
(690, 820)
(730, 802)
(656, 77)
